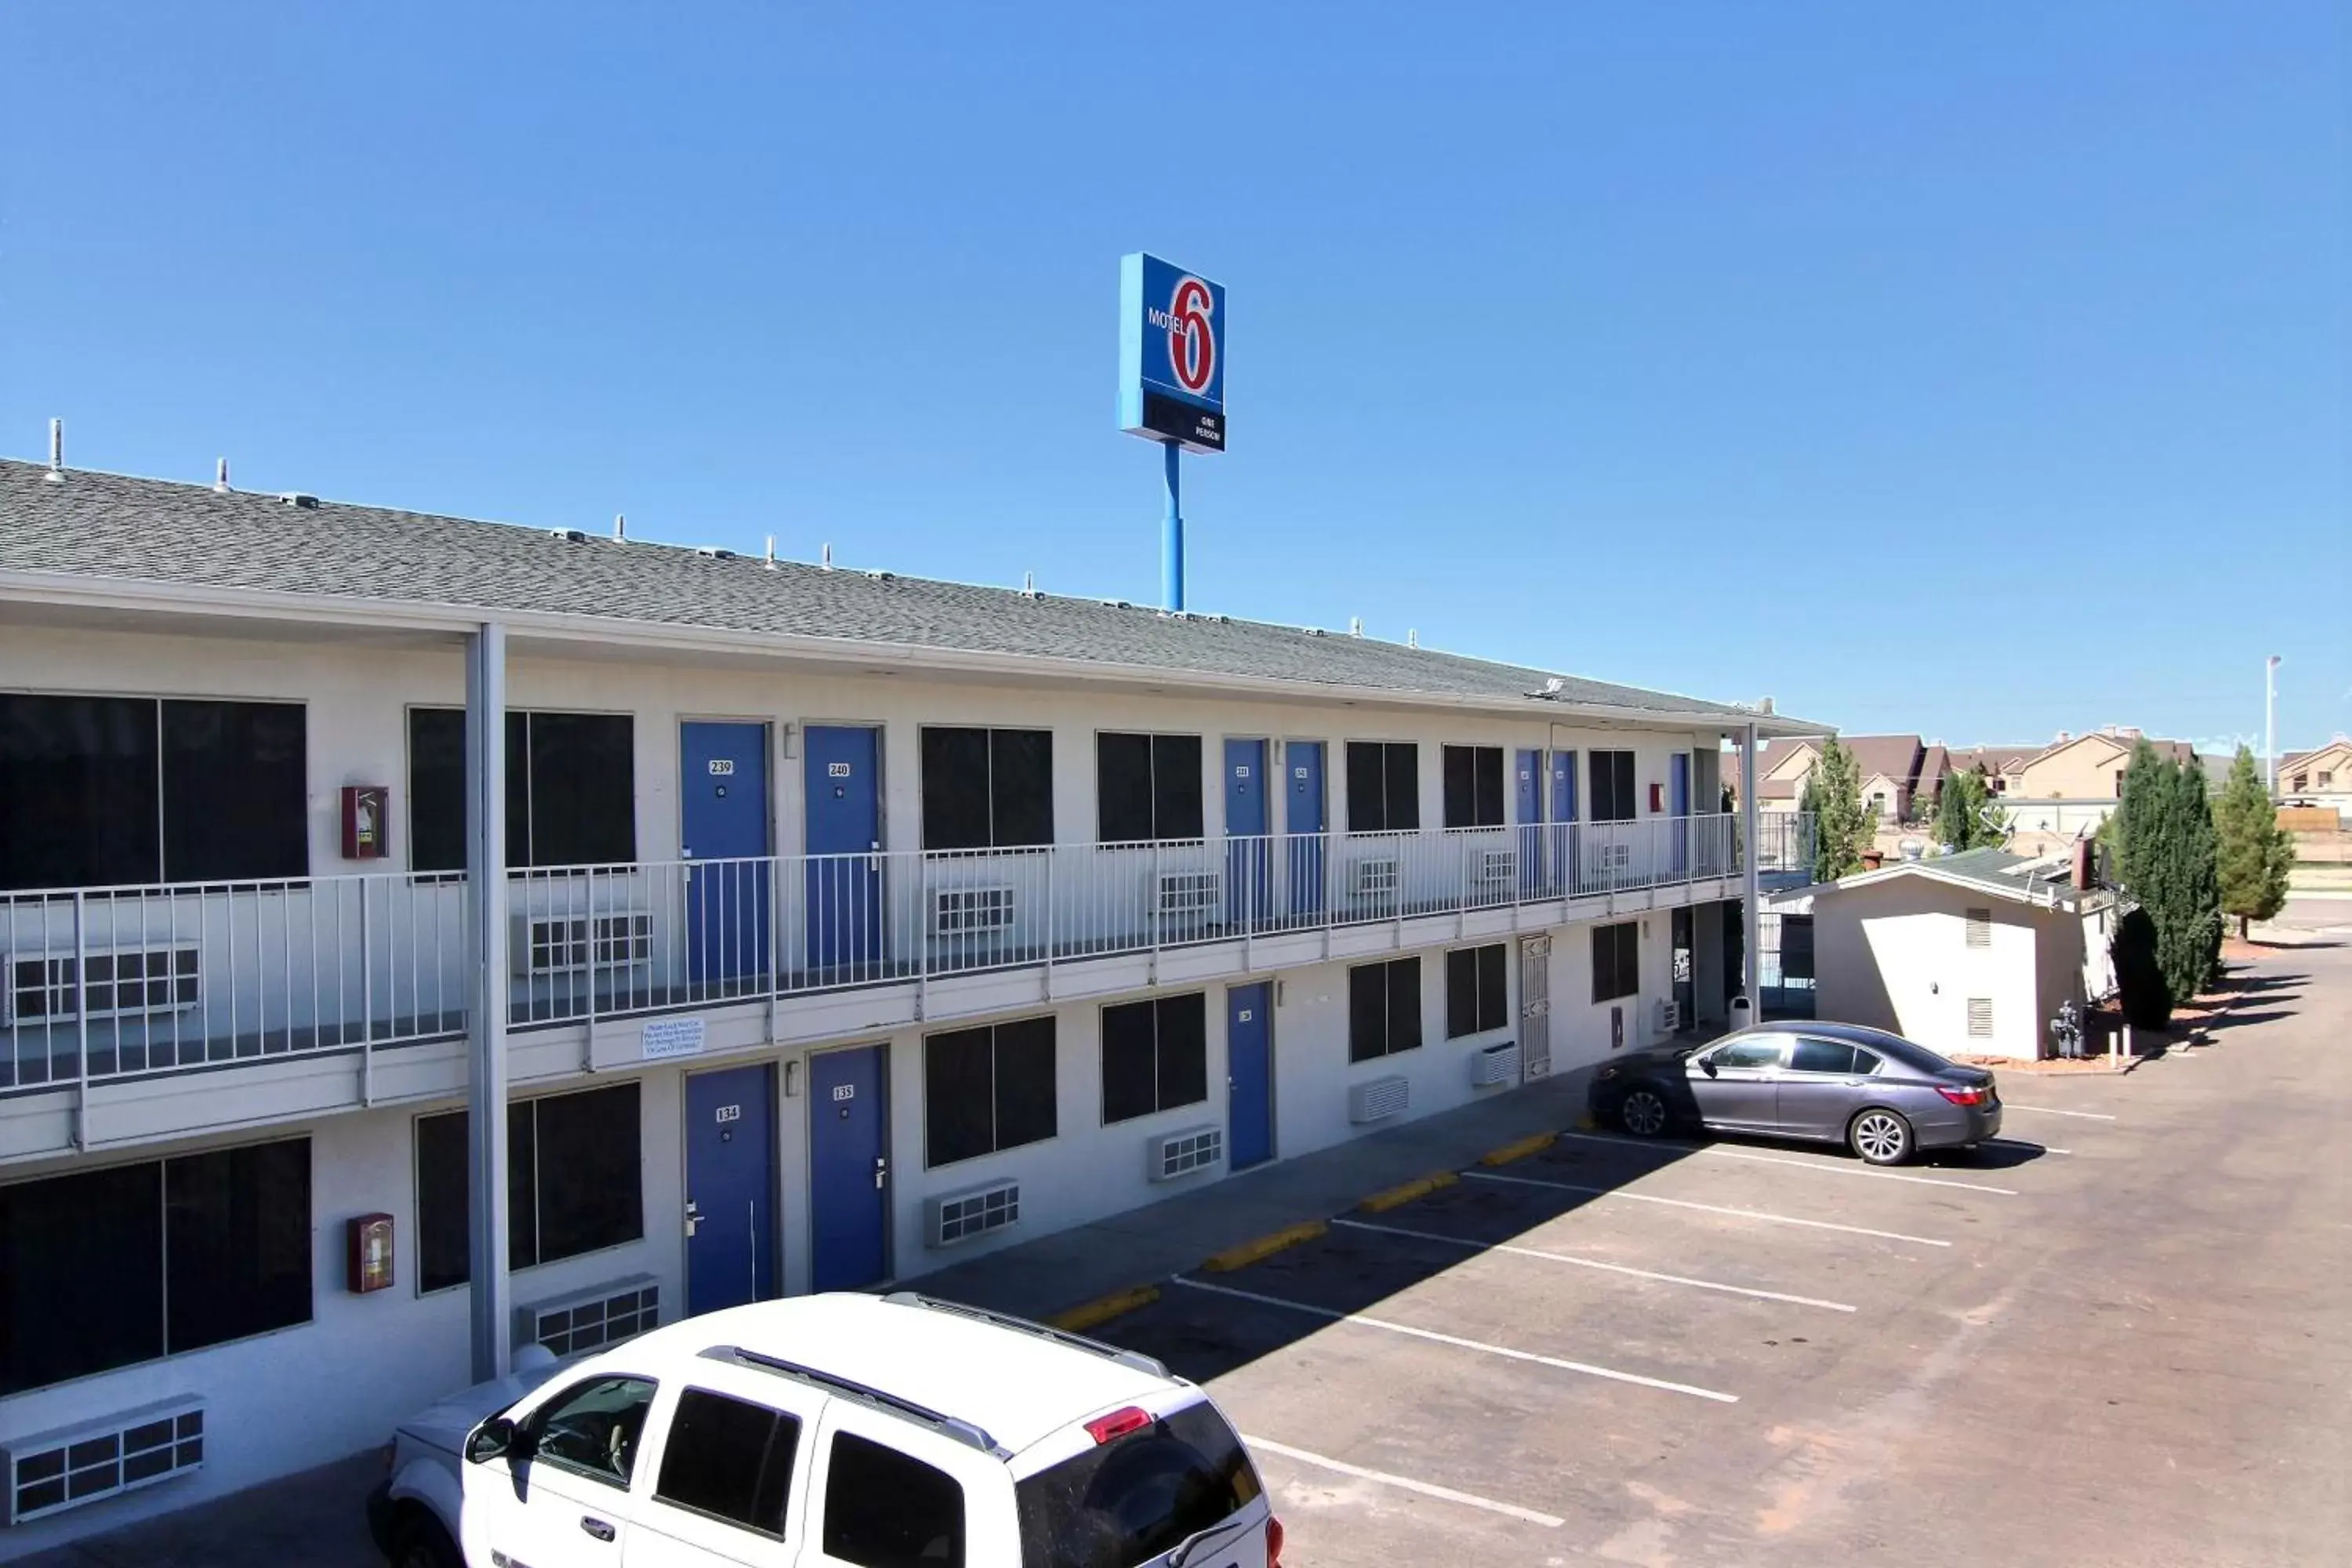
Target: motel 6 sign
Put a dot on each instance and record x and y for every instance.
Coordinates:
(1171, 354)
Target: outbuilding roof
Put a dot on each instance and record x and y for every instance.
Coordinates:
(2044, 880)
(110, 527)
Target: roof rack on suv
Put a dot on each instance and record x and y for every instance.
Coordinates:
(1135, 1360)
(970, 1433)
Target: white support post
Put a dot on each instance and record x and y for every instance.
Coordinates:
(486, 909)
(1752, 883)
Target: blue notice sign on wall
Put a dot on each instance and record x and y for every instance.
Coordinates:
(1171, 354)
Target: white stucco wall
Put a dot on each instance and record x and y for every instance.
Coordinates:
(1894, 956)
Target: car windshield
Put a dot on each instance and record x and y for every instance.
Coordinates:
(1136, 1496)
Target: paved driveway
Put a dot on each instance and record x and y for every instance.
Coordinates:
(2118, 1336)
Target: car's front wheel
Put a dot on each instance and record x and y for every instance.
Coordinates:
(1881, 1137)
(423, 1543)
(1643, 1113)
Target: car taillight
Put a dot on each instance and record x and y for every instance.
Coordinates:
(1117, 1424)
(1273, 1542)
(1971, 1095)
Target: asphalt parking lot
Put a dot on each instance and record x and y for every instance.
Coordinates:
(2116, 1336)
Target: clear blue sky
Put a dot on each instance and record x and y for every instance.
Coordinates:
(1979, 370)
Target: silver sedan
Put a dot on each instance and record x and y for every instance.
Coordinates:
(1883, 1096)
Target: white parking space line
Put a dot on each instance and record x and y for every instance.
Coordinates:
(1703, 1208)
(1587, 1368)
(2054, 1111)
(1570, 1258)
(1799, 1162)
(1405, 1483)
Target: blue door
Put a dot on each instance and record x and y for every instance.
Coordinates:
(1249, 872)
(1563, 811)
(1249, 1075)
(1529, 774)
(723, 829)
(845, 841)
(1302, 819)
(730, 1187)
(849, 1168)
(1678, 809)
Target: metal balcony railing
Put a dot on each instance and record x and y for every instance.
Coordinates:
(104, 983)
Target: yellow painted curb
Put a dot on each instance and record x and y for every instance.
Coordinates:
(1264, 1246)
(1419, 1187)
(1102, 1309)
(1584, 1122)
(1519, 1150)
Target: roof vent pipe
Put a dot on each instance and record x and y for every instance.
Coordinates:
(56, 475)
(1355, 626)
(1765, 706)
(620, 526)
(1411, 637)
(772, 553)
(1029, 584)
(220, 477)
(826, 561)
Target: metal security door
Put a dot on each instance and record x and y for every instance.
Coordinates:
(731, 1188)
(1535, 1007)
(1678, 809)
(1563, 812)
(1249, 873)
(1529, 778)
(849, 1168)
(1249, 1075)
(723, 829)
(842, 774)
(1302, 819)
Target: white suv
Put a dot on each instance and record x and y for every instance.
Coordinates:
(892, 1432)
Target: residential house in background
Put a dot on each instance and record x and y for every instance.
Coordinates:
(745, 927)
(1902, 775)
(2320, 777)
(2086, 767)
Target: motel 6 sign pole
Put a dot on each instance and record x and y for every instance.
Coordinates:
(1171, 381)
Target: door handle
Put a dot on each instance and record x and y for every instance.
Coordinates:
(596, 1527)
(881, 1169)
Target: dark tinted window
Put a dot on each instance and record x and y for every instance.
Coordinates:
(1155, 1055)
(986, 788)
(570, 789)
(1474, 787)
(1134, 1500)
(1616, 961)
(82, 1288)
(436, 789)
(1383, 786)
(583, 789)
(79, 784)
(574, 1183)
(236, 791)
(1476, 990)
(1613, 786)
(1822, 1056)
(594, 1429)
(884, 1509)
(1383, 1008)
(237, 1230)
(103, 1269)
(1147, 787)
(729, 1460)
(987, 1089)
(1762, 1051)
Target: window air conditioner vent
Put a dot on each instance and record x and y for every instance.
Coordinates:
(1175, 1155)
(1377, 1099)
(952, 1218)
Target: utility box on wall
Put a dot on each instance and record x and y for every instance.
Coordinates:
(368, 1253)
(367, 812)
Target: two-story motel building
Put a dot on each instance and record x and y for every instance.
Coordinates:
(847, 925)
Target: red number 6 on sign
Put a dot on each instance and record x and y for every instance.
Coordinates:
(1192, 336)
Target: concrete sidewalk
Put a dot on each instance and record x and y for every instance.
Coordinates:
(1038, 1279)
(317, 1520)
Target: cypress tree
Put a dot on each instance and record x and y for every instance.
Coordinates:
(2255, 853)
(1843, 827)
(1965, 817)
(2166, 851)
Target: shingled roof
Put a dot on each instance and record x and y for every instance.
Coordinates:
(112, 527)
